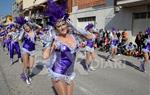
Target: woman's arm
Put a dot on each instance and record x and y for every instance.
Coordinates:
(80, 31)
(48, 51)
(21, 35)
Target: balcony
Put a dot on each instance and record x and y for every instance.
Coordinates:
(120, 2)
(88, 3)
(130, 3)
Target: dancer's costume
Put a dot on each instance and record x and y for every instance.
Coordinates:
(28, 44)
(61, 65)
(46, 35)
(114, 43)
(6, 41)
(14, 45)
(130, 47)
(146, 48)
(114, 40)
(62, 61)
(90, 42)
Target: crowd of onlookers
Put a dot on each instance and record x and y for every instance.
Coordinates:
(125, 47)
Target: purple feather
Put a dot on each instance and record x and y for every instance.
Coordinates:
(56, 10)
(89, 26)
(20, 20)
(3, 33)
(1, 26)
(148, 31)
(12, 25)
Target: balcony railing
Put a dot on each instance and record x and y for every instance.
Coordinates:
(121, 2)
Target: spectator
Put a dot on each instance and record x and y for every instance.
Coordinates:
(139, 41)
(100, 37)
(130, 48)
(125, 36)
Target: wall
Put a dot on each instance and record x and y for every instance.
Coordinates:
(107, 18)
(101, 13)
(30, 3)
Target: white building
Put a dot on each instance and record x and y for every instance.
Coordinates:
(133, 15)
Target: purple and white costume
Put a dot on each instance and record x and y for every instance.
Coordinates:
(28, 44)
(61, 65)
(114, 41)
(47, 36)
(146, 49)
(90, 44)
(14, 45)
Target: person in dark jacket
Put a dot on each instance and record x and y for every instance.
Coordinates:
(139, 41)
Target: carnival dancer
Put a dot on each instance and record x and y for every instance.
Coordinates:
(90, 45)
(14, 45)
(114, 45)
(28, 37)
(28, 51)
(62, 51)
(146, 52)
(2, 34)
(6, 40)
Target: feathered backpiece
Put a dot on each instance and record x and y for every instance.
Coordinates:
(20, 20)
(89, 26)
(56, 11)
(148, 31)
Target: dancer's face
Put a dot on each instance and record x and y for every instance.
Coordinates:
(62, 27)
(27, 28)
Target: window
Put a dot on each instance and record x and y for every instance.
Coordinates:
(141, 15)
(87, 19)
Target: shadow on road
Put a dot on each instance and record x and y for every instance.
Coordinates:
(102, 56)
(130, 64)
(82, 62)
(15, 62)
(37, 69)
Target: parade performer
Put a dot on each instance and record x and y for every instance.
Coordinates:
(114, 45)
(146, 52)
(28, 51)
(90, 44)
(5, 39)
(14, 45)
(28, 37)
(63, 48)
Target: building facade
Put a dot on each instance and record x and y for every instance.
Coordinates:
(132, 15)
(17, 8)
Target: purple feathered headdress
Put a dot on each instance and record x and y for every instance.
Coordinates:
(20, 20)
(56, 11)
(148, 31)
(89, 26)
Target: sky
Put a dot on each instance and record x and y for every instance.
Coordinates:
(5, 7)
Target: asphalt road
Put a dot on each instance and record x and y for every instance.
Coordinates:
(111, 78)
